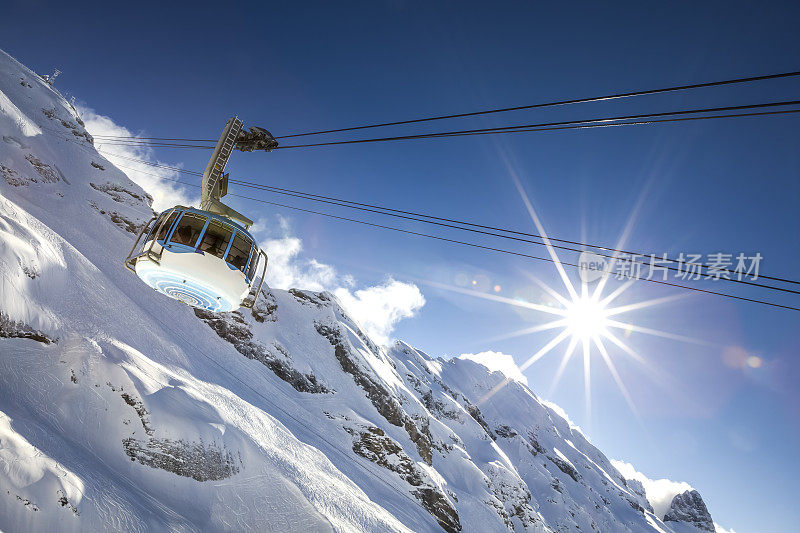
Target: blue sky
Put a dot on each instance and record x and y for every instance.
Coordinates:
(180, 70)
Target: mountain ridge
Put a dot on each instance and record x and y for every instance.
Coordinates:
(123, 409)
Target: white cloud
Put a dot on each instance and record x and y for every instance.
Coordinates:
(287, 269)
(377, 309)
(154, 180)
(721, 529)
(660, 492)
(498, 362)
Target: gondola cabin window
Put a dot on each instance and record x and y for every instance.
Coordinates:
(251, 266)
(216, 238)
(165, 228)
(240, 251)
(190, 226)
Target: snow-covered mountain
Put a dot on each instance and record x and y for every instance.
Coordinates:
(121, 409)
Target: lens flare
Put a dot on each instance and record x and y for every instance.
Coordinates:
(587, 318)
(584, 317)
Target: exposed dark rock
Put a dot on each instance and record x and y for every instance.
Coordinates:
(505, 431)
(233, 328)
(565, 467)
(141, 411)
(375, 445)
(265, 308)
(120, 194)
(498, 507)
(124, 222)
(12, 329)
(439, 506)
(12, 177)
(637, 488)
(62, 499)
(78, 132)
(636, 505)
(438, 407)
(371, 345)
(197, 460)
(383, 401)
(472, 409)
(29, 271)
(48, 175)
(514, 495)
(26, 502)
(536, 448)
(119, 220)
(476, 414)
(689, 507)
(317, 299)
(98, 166)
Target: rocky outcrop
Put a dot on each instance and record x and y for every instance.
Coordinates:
(140, 409)
(197, 460)
(265, 308)
(131, 226)
(48, 175)
(469, 407)
(513, 495)
(12, 177)
(233, 328)
(315, 299)
(10, 329)
(76, 130)
(384, 402)
(565, 467)
(373, 444)
(690, 508)
(120, 194)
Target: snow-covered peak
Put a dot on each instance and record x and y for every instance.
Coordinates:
(123, 409)
(689, 507)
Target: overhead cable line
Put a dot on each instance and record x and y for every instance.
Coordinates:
(500, 250)
(554, 103)
(520, 254)
(451, 223)
(101, 142)
(510, 252)
(499, 110)
(438, 221)
(136, 137)
(152, 164)
(550, 126)
(568, 124)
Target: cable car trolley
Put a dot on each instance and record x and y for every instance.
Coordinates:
(205, 257)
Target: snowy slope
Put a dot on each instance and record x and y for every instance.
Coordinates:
(121, 409)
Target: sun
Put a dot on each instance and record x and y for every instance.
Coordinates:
(586, 317)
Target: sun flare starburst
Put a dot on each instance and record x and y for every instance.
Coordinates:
(586, 317)
(586, 320)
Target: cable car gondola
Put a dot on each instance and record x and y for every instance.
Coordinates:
(205, 257)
